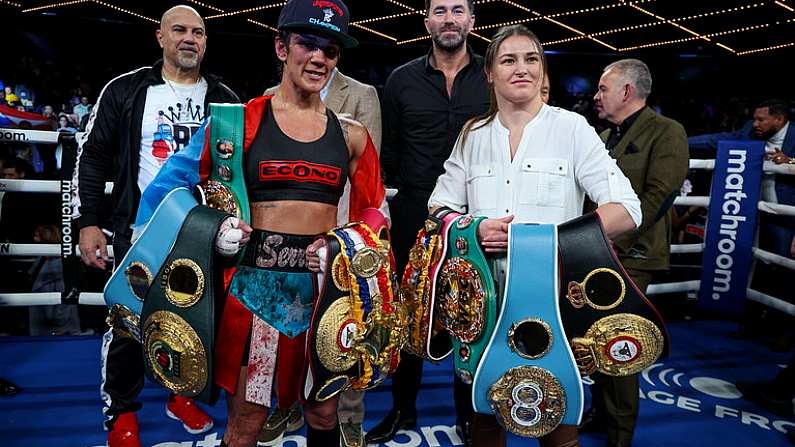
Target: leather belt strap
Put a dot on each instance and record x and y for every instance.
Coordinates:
(467, 296)
(527, 376)
(226, 152)
(179, 313)
(605, 314)
(358, 328)
(127, 287)
(427, 340)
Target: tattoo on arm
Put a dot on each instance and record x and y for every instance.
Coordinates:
(263, 206)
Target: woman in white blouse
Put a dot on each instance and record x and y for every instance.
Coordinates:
(529, 162)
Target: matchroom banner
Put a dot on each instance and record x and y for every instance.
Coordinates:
(731, 224)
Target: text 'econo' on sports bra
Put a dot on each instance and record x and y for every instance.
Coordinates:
(280, 168)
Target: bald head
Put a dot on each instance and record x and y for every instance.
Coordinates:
(182, 38)
(175, 12)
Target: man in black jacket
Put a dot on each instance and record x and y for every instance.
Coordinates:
(141, 118)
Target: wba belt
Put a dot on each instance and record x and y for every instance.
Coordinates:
(178, 318)
(125, 291)
(527, 376)
(466, 296)
(358, 328)
(418, 288)
(615, 330)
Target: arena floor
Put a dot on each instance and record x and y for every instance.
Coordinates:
(689, 399)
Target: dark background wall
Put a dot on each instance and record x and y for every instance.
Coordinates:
(54, 54)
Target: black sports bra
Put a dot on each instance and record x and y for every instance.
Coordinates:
(280, 168)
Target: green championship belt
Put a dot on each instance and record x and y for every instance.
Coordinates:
(179, 313)
(225, 188)
(467, 296)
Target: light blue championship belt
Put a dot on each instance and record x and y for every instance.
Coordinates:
(125, 291)
(467, 296)
(527, 376)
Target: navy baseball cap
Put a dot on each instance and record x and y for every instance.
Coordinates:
(324, 17)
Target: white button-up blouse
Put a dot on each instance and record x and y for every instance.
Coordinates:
(559, 159)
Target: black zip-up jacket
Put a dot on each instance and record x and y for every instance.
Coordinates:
(112, 144)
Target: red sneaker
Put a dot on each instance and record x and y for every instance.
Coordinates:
(124, 432)
(193, 418)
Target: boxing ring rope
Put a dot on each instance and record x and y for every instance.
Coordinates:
(57, 186)
(40, 186)
(758, 253)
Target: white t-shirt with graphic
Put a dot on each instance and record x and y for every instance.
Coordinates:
(172, 114)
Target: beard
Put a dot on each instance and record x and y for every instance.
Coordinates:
(763, 135)
(449, 44)
(187, 59)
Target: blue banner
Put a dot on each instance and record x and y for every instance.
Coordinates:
(731, 224)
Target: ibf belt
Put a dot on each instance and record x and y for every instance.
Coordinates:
(179, 313)
(466, 296)
(527, 376)
(418, 288)
(614, 329)
(225, 188)
(125, 291)
(358, 328)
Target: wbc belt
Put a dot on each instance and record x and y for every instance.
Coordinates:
(418, 288)
(225, 188)
(179, 313)
(466, 296)
(125, 291)
(527, 376)
(358, 327)
(615, 330)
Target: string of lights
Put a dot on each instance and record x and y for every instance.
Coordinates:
(532, 15)
(378, 33)
(711, 35)
(135, 14)
(54, 5)
(657, 23)
(262, 25)
(774, 47)
(685, 29)
(559, 23)
(246, 11)
(205, 5)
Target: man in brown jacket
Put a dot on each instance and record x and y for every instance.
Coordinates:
(652, 152)
(348, 97)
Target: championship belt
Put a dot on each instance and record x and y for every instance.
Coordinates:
(178, 319)
(614, 329)
(527, 376)
(466, 296)
(358, 327)
(225, 188)
(125, 291)
(426, 339)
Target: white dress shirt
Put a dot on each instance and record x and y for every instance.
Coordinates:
(560, 158)
(773, 144)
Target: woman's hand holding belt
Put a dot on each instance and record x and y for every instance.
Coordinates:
(232, 236)
(493, 234)
(313, 255)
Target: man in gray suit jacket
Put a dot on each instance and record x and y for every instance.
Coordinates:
(344, 96)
